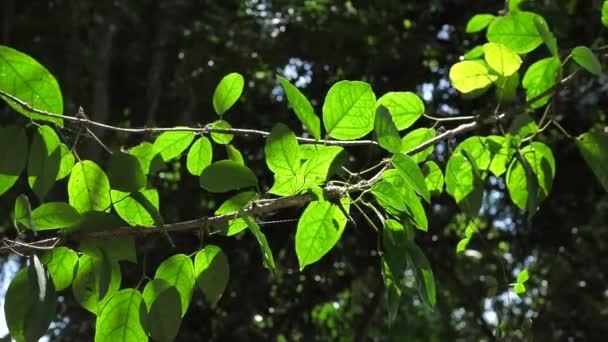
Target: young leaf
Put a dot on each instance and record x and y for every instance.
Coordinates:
(593, 146)
(66, 164)
(405, 108)
(547, 36)
(226, 175)
(282, 151)
(120, 320)
(523, 276)
(261, 238)
(416, 137)
(26, 79)
(474, 53)
(227, 92)
(165, 315)
(171, 144)
(133, 211)
(148, 156)
(433, 177)
(13, 155)
(234, 204)
(317, 233)
(52, 215)
(212, 272)
(348, 110)
(412, 175)
(516, 31)
(61, 262)
(302, 107)
(463, 182)
(44, 160)
(125, 172)
(221, 138)
(199, 156)
(519, 288)
(178, 271)
(468, 76)
(386, 132)
(478, 22)
(88, 282)
(584, 57)
(504, 61)
(539, 77)
(89, 188)
(234, 154)
(29, 308)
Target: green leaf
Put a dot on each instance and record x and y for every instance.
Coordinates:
(133, 211)
(302, 107)
(226, 175)
(234, 154)
(539, 77)
(386, 132)
(321, 160)
(148, 156)
(474, 53)
(44, 160)
(584, 57)
(26, 79)
(52, 215)
(462, 245)
(61, 262)
(212, 272)
(89, 187)
(414, 139)
(153, 289)
(464, 183)
(412, 175)
(478, 22)
(88, 282)
(424, 275)
(165, 315)
(221, 138)
(415, 213)
(234, 204)
(23, 211)
(120, 320)
(468, 76)
(199, 156)
(171, 144)
(285, 185)
(262, 242)
(66, 164)
(116, 248)
(501, 159)
(500, 58)
(13, 159)
(227, 92)
(125, 172)
(388, 197)
(516, 31)
(519, 288)
(605, 14)
(405, 107)
(547, 36)
(28, 307)
(523, 276)
(178, 271)
(349, 109)
(593, 146)
(541, 162)
(514, 5)
(506, 88)
(481, 149)
(318, 231)
(282, 151)
(433, 177)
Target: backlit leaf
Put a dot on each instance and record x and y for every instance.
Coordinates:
(262, 241)
(414, 139)
(547, 36)
(282, 151)
(479, 22)
(13, 155)
(516, 31)
(234, 204)
(504, 61)
(349, 109)
(221, 138)
(541, 162)
(228, 92)
(67, 162)
(584, 57)
(226, 175)
(148, 156)
(405, 107)
(88, 282)
(199, 156)
(120, 320)
(468, 76)
(539, 77)
(61, 263)
(178, 271)
(89, 187)
(412, 175)
(212, 272)
(44, 160)
(433, 177)
(593, 146)
(302, 107)
(386, 132)
(165, 315)
(53, 215)
(171, 144)
(133, 211)
(463, 182)
(125, 172)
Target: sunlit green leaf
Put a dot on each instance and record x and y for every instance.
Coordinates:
(23, 212)
(433, 177)
(474, 53)
(500, 58)
(388, 197)
(282, 151)
(226, 175)
(541, 162)
(481, 149)
(320, 162)
(584, 57)
(178, 271)
(114, 248)
(547, 36)
(593, 146)
(285, 185)
(29, 81)
(228, 92)
(262, 241)
(519, 288)
(44, 160)
(199, 156)
(424, 275)
(133, 211)
(605, 14)
(478, 22)
(52, 215)
(66, 164)
(234, 204)
(349, 109)
(221, 138)
(13, 158)
(149, 157)
(415, 213)
(212, 272)
(506, 88)
(514, 5)
(468, 76)
(414, 139)
(412, 175)
(125, 172)
(165, 315)
(516, 31)
(234, 154)
(539, 77)
(171, 144)
(405, 107)
(89, 187)
(61, 262)
(87, 282)
(464, 183)
(523, 276)
(120, 320)
(302, 107)
(386, 132)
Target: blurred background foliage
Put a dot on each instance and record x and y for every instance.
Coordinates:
(146, 63)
